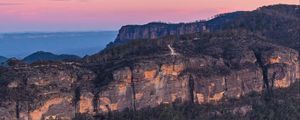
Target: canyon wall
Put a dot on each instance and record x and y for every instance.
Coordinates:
(279, 22)
(59, 91)
(157, 30)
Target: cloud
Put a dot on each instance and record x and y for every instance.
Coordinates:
(10, 4)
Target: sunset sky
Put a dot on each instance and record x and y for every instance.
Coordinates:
(82, 15)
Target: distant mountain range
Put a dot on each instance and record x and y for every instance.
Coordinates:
(20, 45)
(43, 56)
(2, 59)
(47, 56)
(240, 65)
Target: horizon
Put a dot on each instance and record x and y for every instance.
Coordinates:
(91, 15)
(49, 32)
(20, 45)
(149, 59)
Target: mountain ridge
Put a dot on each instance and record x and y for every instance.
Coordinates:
(277, 22)
(83, 43)
(48, 56)
(3, 59)
(199, 68)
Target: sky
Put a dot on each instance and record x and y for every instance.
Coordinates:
(94, 15)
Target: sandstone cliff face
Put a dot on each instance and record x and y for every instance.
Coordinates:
(44, 91)
(150, 83)
(203, 70)
(209, 69)
(282, 66)
(156, 30)
(280, 23)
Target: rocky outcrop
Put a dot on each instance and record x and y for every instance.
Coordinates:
(41, 91)
(157, 30)
(60, 90)
(204, 70)
(149, 83)
(281, 66)
(200, 68)
(210, 69)
(279, 22)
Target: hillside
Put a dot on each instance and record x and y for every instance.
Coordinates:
(47, 56)
(279, 22)
(228, 72)
(204, 68)
(3, 59)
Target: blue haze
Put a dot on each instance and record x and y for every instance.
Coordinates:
(20, 45)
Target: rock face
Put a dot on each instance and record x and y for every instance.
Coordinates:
(204, 70)
(41, 91)
(278, 22)
(156, 30)
(281, 65)
(215, 67)
(199, 68)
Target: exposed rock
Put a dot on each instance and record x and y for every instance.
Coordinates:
(156, 30)
(279, 22)
(86, 103)
(281, 64)
(60, 108)
(206, 69)
(243, 63)
(43, 91)
(118, 94)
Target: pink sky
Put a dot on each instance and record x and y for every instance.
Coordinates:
(77, 15)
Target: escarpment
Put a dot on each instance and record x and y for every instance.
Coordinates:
(41, 91)
(212, 68)
(157, 30)
(205, 70)
(279, 22)
(182, 64)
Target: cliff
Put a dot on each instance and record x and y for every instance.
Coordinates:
(156, 30)
(279, 22)
(155, 69)
(212, 68)
(40, 91)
